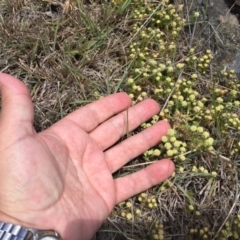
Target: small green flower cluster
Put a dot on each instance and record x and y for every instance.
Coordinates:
(200, 138)
(167, 184)
(127, 210)
(201, 63)
(186, 104)
(144, 202)
(157, 232)
(203, 170)
(201, 234)
(147, 201)
(223, 111)
(230, 74)
(191, 208)
(192, 115)
(231, 230)
(173, 147)
(154, 120)
(226, 104)
(236, 149)
(117, 2)
(169, 147)
(149, 66)
(165, 18)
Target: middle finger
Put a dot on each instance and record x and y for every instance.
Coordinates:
(113, 129)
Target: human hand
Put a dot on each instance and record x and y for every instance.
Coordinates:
(61, 178)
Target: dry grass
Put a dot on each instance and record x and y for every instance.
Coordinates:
(70, 57)
(65, 59)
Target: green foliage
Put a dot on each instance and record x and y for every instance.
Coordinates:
(202, 109)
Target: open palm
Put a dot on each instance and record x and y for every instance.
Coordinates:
(62, 178)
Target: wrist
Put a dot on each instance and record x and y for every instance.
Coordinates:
(18, 232)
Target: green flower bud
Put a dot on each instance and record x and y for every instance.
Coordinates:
(191, 207)
(164, 139)
(168, 145)
(152, 62)
(193, 128)
(182, 157)
(194, 76)
(156, 152)
(170, 153)
(171, 132)
(129, 216)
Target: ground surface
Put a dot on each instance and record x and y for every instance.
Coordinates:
(69, 57)
(223, 30)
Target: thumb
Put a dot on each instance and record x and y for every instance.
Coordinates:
(17, 108)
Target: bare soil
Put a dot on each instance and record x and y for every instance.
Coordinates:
(222, 31)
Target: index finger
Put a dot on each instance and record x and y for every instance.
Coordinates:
(93, 114)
